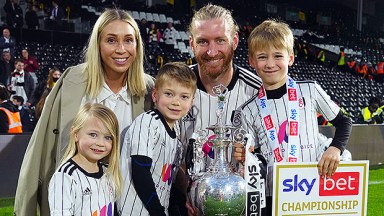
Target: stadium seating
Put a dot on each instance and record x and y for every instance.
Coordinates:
(353, 91)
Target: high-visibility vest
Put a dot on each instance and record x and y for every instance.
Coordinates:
(342, 59)
(367, 114)
(321, 56)
(380, 68)
(14, 121)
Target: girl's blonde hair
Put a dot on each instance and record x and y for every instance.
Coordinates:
(135, 76)
(270, 33)
(109, 120)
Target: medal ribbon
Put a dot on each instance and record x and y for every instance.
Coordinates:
(293, 122)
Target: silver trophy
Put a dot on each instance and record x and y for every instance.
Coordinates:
(220, 190)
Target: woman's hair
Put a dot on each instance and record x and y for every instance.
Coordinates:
(135, 76)
(50, 82)
(211, 11)
(270, 33)
(40, 104)
(109, 120)
(176, 71)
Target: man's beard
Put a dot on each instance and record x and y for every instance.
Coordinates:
(217, 72)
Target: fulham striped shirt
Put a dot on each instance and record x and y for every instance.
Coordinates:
(149, 135)
(315, 99)
(243, 86)
(73, 191)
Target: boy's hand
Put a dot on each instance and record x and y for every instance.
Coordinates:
(239, 152)
(192, 211)
(329, 162)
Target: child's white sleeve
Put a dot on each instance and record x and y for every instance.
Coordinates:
(61, 194)
(142, 136)
(325, 105)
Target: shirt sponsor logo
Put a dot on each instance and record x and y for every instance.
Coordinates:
(166, 173)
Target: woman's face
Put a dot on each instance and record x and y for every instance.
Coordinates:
(56, 74)
(117, 47)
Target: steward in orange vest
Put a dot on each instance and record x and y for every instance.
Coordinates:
(10, 121)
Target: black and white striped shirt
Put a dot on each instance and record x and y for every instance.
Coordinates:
(315, 100)
(149, 135)
(73, 191)
(243, 86)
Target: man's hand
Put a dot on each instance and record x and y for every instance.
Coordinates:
(239, 152)
(329, 162)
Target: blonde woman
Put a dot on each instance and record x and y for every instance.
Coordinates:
(112, 74)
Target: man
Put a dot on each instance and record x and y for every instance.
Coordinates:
(14, 14)
(6, 66)
(57, 14)
(9, 114)
(7, 42)
(22, 83)
(214, 39)
(371, 114)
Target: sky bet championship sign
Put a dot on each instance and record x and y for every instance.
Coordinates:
(299, 190)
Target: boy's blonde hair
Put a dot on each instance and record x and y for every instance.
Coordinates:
(270, 33)
(211, 11)
(176, 71)
(109, 120)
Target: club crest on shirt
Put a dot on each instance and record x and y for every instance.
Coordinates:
(236, 118)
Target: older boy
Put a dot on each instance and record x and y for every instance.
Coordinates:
(283, 114)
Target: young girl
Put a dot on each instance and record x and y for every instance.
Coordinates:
(88, 180)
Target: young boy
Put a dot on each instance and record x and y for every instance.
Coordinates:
(283, 114)
(151, 151)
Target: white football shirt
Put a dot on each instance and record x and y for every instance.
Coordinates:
(315, 100)
(73, 191)
(243, 86)
(149, 135)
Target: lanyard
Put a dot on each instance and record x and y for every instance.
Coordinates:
(293, 122)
